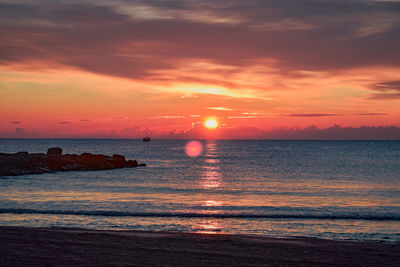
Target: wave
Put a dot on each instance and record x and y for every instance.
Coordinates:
(371, 217)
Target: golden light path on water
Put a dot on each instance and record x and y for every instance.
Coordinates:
(211, 179)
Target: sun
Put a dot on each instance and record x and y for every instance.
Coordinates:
(211, 123)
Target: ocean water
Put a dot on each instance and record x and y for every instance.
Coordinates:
(325, 189)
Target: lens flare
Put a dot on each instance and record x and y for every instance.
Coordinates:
(194, 149)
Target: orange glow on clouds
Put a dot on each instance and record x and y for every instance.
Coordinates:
(77, 76)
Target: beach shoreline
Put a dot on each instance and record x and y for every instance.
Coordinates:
(78, 246)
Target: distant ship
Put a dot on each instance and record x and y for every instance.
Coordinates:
(146, 138)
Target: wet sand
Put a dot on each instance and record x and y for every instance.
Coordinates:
(70, 247)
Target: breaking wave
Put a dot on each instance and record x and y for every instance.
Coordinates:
(379, 217)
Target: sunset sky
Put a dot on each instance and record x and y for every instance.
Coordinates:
(85, 68)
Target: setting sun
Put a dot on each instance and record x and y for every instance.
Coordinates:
(258, 121)
(211, 123)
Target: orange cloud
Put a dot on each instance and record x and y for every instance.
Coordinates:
(168, 65)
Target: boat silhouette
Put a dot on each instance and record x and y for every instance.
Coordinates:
(146, 138)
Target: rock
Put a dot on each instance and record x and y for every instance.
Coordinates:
(15, 164)
(132, 163)
(39, 155)
(54, 151)
(118, 157)
(24, 163)
(99, 162)
(118, 161)
(53, 163)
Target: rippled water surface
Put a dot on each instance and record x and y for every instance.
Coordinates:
(327, 189)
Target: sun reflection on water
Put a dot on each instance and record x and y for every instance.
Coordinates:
(211, 176)
(210, 227)
(211, 179)
(212, 203)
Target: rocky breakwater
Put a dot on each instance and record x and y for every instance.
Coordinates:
(34, 163)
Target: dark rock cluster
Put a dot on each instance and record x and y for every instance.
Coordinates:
(25, 163)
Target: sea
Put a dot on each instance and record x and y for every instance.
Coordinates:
(341, 190)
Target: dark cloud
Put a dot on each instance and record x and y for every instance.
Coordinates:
(372, 114)
(332, 115)
(306, 35)
(313, 115)
(64, 122)
(389, 90)
(16, 122)
(335, 132)
(387, 86)
(84, 120)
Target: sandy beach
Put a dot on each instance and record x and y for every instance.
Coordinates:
(67, 247)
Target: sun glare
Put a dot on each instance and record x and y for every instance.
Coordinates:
(211, 123)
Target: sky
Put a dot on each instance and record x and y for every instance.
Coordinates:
(262, 69)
